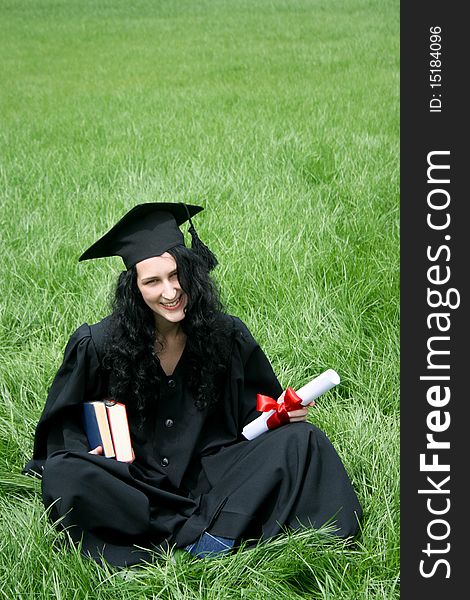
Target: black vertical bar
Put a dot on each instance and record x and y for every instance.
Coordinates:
(435, 424)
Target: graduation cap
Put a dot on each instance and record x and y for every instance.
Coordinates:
(150, 230)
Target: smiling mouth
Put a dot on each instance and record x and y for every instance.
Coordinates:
(172, 305)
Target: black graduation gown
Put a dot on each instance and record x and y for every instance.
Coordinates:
(193, 471)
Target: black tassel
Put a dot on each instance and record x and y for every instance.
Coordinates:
(201, 249)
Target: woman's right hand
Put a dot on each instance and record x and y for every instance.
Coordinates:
(97, 450)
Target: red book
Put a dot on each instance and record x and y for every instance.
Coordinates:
(119, 426)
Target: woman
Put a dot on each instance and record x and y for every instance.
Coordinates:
(189, 375)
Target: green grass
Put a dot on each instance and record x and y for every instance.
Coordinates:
(282, 119)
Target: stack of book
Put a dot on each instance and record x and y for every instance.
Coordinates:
(106, 425)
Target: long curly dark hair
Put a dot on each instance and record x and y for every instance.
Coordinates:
(134, 376)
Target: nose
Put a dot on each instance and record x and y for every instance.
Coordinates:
(169, 290)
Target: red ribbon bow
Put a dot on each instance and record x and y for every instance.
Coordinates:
(280, 417)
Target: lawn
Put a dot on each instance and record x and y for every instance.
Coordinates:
(282, 120)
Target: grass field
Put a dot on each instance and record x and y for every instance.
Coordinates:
(282, 119)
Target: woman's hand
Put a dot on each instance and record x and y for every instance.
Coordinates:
(97, 450)
(296, 416)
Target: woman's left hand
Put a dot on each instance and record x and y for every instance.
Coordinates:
(296, 416)
(300, 414)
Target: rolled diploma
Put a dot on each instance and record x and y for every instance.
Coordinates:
(307, 393)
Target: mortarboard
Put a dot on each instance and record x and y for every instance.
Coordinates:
(150, 230)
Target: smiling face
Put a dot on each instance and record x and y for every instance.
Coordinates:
(157, 280)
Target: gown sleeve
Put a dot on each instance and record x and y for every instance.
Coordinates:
(79, 379)
(252, 374)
